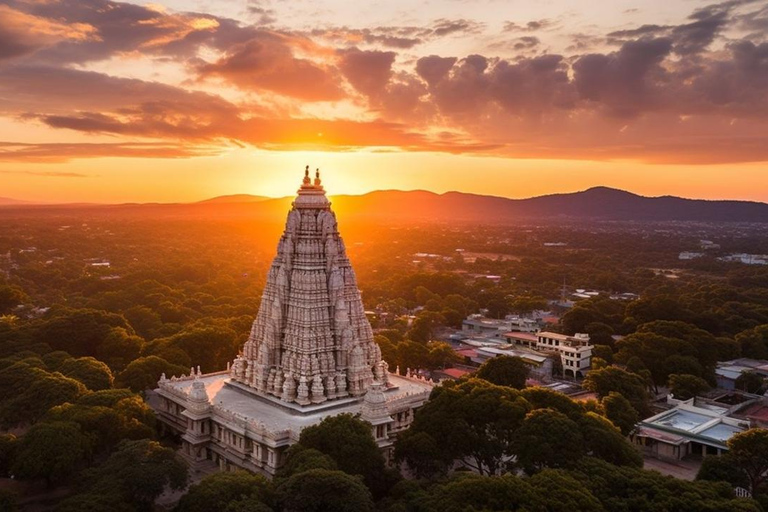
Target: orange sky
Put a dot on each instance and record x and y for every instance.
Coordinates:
(183, 100)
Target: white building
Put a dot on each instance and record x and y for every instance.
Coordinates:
(695, 427)
(310, 355)
(575, 351)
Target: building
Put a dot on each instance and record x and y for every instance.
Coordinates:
(727, 372)
(697, 427)
(575, 351)
(310, 355)
(746, 259)
(478, 325)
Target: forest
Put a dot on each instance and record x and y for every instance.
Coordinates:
(94, 307)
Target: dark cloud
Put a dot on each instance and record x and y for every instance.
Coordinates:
(625, 82)
(368, 71)
(444, 27)
(641, 31)
(526, 43)
(267, 62)
(531, 26)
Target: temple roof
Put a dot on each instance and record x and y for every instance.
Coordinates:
(311, 340)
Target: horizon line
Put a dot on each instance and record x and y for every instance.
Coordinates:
(30, 202)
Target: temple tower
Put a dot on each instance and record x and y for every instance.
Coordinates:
(311, 341)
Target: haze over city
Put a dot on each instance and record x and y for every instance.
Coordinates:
(174, 101)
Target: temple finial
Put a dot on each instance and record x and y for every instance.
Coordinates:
(317, 177)
(306, 176)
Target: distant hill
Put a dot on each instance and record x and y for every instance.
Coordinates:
(234, 198)
(599, 203)
(7, 201)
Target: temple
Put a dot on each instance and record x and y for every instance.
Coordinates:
(310, 354)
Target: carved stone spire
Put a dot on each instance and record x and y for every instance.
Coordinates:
(311, 341)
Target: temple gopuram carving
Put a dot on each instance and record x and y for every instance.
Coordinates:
(310, 354)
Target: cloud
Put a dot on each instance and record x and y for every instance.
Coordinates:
(444, 27)
(267, 62)
(692, 92)
(531, 26)
(63, 152)
(22, 33)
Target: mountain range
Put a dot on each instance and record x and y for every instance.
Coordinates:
(599, 203)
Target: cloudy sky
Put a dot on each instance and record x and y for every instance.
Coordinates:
(186, 99)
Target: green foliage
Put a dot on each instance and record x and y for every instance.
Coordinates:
(685, 387)
(749, 452)
(750, 382)
(41, 391)
(357, 455)
(472, 421)
(547, 439)
(143, 373)
(322, 490)
(504, 371)
(620, 412)
(94, 374)
(80, 332)
(10, 297)
(221, 490)
(605, 441)
(612, 379)
(723, 468)
(52, 451)
(299, 459)
(626, 489)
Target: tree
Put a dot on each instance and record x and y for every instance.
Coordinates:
(209, 347)
(620, 412)
(94, 374)
(45, 391)
(634, 490)
(143, 373)
(685, 387)
(723, 468)
(299, 459)
(750, 382)
(51, 450)
(80, 331)
(471, 421)
(547, 439)
(322, 490)
(218, 491)
(441, 354)
(605, 441)
(612, 379)
(10, 297)
(138, 472)
(119, 348)
(749, 452)
(424, 325)
(357, 455)
(504, 371)
(412, 355)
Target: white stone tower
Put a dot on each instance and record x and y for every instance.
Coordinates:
(311, 341)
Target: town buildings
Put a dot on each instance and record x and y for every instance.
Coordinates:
(489, 338)
(699, 426)
(310, 355)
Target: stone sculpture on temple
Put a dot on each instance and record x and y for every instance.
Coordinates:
(311, 341)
